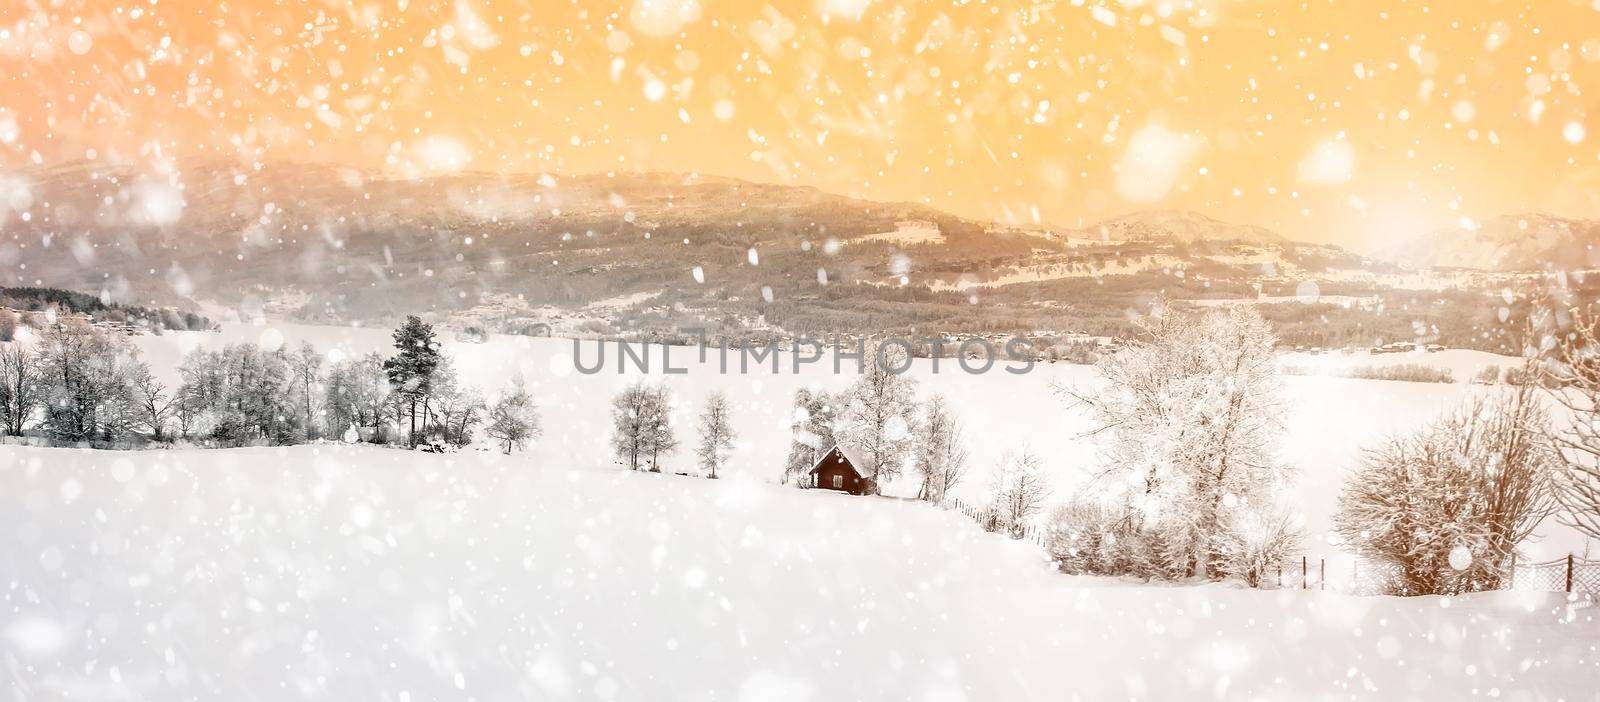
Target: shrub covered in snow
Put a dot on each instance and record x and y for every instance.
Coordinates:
(1253, 542)
(1018, 493)
(1447, 505)
(1083, 538)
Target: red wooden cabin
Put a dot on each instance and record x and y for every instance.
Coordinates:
(837, 470)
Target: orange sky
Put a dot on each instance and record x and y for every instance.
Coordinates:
(1348, 122)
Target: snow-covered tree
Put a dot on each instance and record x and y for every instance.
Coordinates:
(87, 382)
(411, 369)
(156, 405)
(1448, 505)
(812, 423)
(716, 434)
(305, 371)
(355, 394)
(239, 394)
(1191, 409)
(629, 414)
(662, 441)
(457, 411)
(642, 428)
(1018, 492)
(941, 454)
(513, 419)
(877, 414)
(1573, 375)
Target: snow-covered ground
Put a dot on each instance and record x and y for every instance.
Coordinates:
(1330, 420)
(1463, 364)
(345, 573)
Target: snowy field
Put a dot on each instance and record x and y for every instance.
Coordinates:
(358, 573)
(1330, 418)
(1463, 364)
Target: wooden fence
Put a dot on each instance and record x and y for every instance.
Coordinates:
(1570, 573)
(989, 519)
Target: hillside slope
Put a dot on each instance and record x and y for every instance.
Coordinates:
(1329, 420)
(325, 572)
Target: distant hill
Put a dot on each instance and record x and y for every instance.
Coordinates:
(1524, 242)
(651, 254)
(222, 232)
(26, 300)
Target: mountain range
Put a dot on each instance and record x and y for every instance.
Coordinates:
(1522, 242)
(331, 243)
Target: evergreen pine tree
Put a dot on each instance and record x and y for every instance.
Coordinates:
(410, 372)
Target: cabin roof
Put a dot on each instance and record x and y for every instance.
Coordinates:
(849, 455)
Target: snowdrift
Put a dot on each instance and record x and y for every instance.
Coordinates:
(342, 573)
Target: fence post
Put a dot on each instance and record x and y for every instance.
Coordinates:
(1304, 562)
(1569, 572)
(1322, 573)
(1280, 575)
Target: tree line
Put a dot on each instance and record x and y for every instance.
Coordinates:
(1189, 415)
(75, 384)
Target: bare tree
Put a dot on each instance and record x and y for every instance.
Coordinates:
(1448, 505)
(658, 427)
(87, 379)
(1019, 492)
(630, 411)
(156, 405)
(459, 411)
(355, 395)
(716, 434)
(20, 391)
(305, 369)
(941, 453)
(513, 419)
(1572, 375)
